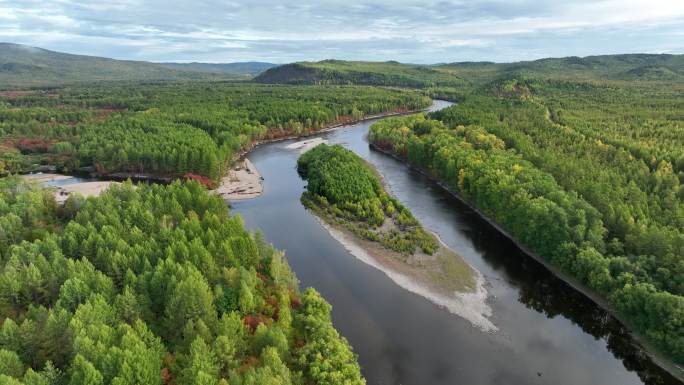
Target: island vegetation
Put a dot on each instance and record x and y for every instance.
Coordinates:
(153, 284)
(346, 192)
(345, 186)
(579, 159)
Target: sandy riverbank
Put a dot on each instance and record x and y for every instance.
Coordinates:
(439, 278)
(242, 182)
(306, 145)
(62, 192)
(87, 189)
(330, 127)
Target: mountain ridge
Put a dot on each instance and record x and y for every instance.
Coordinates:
(246, 68)
(24, 66)
(648, 67)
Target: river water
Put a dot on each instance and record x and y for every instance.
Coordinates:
(548, 333)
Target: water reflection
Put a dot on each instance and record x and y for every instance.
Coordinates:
(549, 333)
(537, 288)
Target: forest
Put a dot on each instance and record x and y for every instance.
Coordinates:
(153, 284)
(172, 129)
(460, 77)
(343, 187)
(580, 160)
(588, 176)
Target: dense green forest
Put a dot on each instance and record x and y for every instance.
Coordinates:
(456, 76)
(153, 284)
(343, 187)
(346, 72)
(172, 129)
(610, 217)
(580, 159)
(245, 70)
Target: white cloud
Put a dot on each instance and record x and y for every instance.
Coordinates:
(409, 30)
(7, 13)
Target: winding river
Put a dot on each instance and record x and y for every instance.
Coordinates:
(547, 333)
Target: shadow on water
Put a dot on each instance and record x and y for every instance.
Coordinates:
(543, 292)
(549, 333)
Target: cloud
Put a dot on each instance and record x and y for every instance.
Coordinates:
(421, 31)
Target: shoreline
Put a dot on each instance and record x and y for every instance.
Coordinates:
(470, 304)
(306, 145)
(86, 189)
(639, 341)
(226, 184)
(242, 182)
(327, 128)
(240, 155)
(62, 192)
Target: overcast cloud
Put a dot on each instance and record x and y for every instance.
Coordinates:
(404, 30)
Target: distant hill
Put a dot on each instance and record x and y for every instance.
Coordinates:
(24, 66)
(652, 72)
(612, 67)
(243, 69)
(615, 67)
(389, 73)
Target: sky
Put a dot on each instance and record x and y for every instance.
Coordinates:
(403, 30)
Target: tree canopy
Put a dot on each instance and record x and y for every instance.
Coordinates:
(153, 284)
(343, 187)
(589, 207)
(172, 129)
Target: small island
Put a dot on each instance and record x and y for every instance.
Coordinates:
(348, 196)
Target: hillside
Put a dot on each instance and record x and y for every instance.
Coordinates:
(24, 66)
(606, 67)
(354, 72)
(581, 160)
(240, 69)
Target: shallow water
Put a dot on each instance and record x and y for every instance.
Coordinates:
(548, 333)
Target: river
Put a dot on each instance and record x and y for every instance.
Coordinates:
(548, 333)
